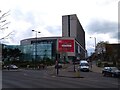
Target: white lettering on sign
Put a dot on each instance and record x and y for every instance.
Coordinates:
(66, 45)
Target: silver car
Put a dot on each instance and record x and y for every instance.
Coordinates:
(12, 67)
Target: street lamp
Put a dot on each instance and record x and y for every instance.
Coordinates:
(95, 50)
(35, 46)
(95, 41)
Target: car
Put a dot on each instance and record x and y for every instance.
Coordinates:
(84, 65)
(12, 66)
(111, 71)
(4, 67)
(58, 66)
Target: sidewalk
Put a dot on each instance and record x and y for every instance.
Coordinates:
(96, 69)
(68, 72)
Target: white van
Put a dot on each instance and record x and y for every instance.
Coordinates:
(84, 65)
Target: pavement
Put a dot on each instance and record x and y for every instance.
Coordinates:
(67, 71)
(96, 69)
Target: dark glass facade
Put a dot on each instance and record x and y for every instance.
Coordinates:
(39, 49)
(43, 51)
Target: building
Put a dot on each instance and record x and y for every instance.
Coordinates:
(0, 52)
(71, 27)
(48, 47)
(108, 53)
(44, 48)
(71, 44)
(112, 51)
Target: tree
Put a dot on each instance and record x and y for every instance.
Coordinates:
(3, 21)
(112, 53)
(15, 53)
(11, 55)
(101, 50)
(4, 24)
(4, 53)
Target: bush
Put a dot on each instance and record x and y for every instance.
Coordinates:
(108, 65)
(99, 63)
(105, 64)
(112, 65)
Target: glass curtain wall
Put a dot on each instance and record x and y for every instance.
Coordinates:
(44, 50)
(27, 52)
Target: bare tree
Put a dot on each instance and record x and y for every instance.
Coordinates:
(4, 23)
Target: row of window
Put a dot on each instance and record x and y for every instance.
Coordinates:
(41, 50)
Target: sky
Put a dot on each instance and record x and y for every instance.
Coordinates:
(99, 19)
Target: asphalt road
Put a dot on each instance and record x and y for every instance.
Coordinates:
(42, 79)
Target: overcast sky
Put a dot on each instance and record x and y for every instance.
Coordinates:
(99, 19)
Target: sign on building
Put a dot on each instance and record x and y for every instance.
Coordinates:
(66, 45)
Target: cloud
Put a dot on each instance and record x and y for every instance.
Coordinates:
(25, 22)
(102, 27)
(105, 2)
(115, 35)
(102, 30)
(56, 30)
(18, 15)
(90, 50)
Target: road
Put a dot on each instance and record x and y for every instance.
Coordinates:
(43, 79)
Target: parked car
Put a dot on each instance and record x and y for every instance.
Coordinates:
(111, 71)
(4, 67)
(58, 66)
(12, 66)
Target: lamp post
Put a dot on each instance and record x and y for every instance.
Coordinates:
(35, 47)
(95, 50)
(95, 41)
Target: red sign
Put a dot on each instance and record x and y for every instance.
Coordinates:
(65, 45)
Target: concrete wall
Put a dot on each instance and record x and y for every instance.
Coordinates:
(65, 26)
(71, 24)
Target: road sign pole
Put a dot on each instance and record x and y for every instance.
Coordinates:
(57, 64)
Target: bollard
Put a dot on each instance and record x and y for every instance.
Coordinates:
(27, 67)
(77, 72)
